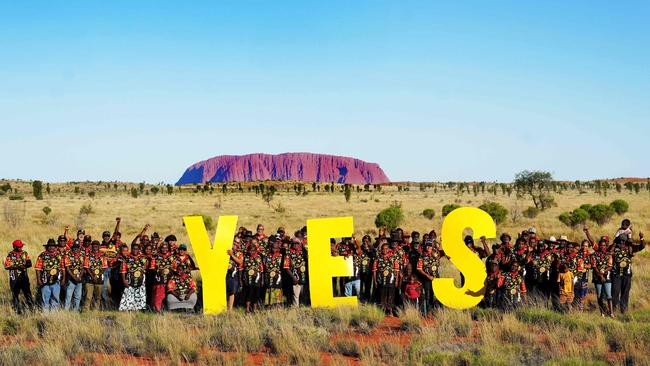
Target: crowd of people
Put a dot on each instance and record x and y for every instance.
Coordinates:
(394, 269)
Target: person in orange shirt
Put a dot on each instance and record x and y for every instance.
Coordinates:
(565, 284)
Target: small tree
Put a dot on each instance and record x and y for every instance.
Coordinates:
(390, 217)
(134, 192)
(170, 189)
(429, 213)
(267, 195)
(91, 194)
(47, 210)
(154, 190)
(37, 189)
(537, 185)
(620, 206)
(495, 210)
(446, 209)
(601, 213)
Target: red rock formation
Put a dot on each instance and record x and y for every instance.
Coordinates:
(304, 167)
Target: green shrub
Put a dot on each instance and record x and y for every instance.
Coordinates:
(446, 209)
(86, 209)
(531, 212)
(495, 210)
(47, 210)
(390, 217)
(134, 192)
(16, 197)
(601, 213)
(429, 213)
(574, 218)
(620, 206)
(585, 207)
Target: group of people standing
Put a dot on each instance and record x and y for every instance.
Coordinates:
(394, 269)
(82, 273)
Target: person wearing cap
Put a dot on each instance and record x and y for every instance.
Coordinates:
(133, 276)
(601, 264)
(17, 262)
(252, 276)
(184, 262)
(163, 265)
(73, 261)
(94, 266)
(181, 292)
(50, 275)
(386, 273)
(295, 269)
(233, 274)
(622, 255)
(273, 274)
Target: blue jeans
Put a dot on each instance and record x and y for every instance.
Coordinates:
(356, 284)
(73, 290)
(107, 276)
(604, 291)
(50, 295)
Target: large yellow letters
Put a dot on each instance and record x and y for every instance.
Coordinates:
(464, 259)
(322, 266)
(212, 259)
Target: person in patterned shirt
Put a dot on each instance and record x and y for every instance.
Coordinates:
(252, 276)
(491, 298)
(427, 269)
(295, 268)
(581, 287)
(233, 275)
(50, 275)
(513, 288)
(94, 266)
(162, 266)
(601, 263)
(184, 262)
(181, 292)
(365, 268)
(623, 250)
(386, 273)
(538, 273)
(273, 274)
(133, 276)
(73, 260)
(17, 262)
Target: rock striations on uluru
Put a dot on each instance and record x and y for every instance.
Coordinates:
(306, 167)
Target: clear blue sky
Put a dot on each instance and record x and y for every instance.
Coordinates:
(139, 90)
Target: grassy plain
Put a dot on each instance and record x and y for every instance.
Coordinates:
(309, 336)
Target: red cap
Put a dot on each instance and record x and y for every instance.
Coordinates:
(17, 243)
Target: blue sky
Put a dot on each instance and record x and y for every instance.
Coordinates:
(139, 90)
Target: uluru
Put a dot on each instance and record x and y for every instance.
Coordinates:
(299, 166)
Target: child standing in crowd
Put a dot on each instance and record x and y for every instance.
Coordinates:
(565, 284)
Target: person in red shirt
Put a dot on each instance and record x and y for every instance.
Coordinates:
(386, 273)
(413, 291)
(163, 265)
(94, 266)
(17, 262)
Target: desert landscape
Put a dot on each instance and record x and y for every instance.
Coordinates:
(341, 336)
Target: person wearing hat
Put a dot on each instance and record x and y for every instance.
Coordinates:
(295, 269)
(73, 261)
(184, 262)
(622, 256)
(50, 275)
(94, 266)
(163, 265)
(133, 277)
(273, 274)
(17, 262)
